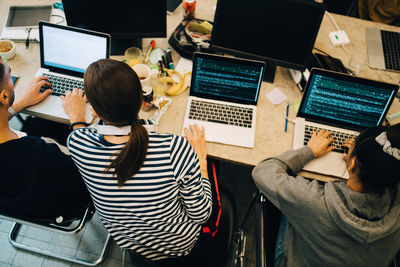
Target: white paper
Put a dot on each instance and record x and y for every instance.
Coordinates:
(276, 96)
(184, 65)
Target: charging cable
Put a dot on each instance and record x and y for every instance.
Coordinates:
(338, 29)
(286, 111)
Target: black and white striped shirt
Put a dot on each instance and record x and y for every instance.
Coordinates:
(159, 211)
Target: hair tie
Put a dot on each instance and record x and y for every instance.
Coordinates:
(387, 146)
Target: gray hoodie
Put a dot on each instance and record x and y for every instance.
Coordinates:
(329, 225)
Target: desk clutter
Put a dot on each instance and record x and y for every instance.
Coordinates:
(238, 73)
(164, 76)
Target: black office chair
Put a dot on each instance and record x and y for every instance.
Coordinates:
(221, 249)
(70, 226)
(222, 245)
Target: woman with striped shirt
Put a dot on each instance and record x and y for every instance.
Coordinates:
(150, 190)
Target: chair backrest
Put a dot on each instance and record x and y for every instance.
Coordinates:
(221, 246)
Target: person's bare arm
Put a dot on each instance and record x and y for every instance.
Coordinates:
(31, 95)
(197, 138)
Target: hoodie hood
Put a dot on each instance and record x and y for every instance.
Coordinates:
(363, 216)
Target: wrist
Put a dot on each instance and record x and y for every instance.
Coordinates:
(73, 120)
(18, 106)
(77, 124)
(12, 111)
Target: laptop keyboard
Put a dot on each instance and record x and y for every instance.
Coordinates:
(391, 49)
(60, 85)
(338, 136)
(221, 113)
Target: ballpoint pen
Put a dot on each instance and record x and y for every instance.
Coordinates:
(287, 114)
(164, 62)
(152, 44)
(27, 38)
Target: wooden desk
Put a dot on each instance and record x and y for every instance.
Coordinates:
(270, 136)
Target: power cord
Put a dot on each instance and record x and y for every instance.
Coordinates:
(62, 18)
(285, 109)
(338, 29)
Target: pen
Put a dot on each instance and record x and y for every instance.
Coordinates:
(287, 114)
(169, 58)
(164, 61)
(27, 38)
(160, 66)
(152, 44)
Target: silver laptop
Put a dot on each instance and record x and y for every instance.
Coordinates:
(65, 53)
(383, 49)
(223, 98)
(344, 105)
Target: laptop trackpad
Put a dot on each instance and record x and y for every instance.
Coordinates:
(331, 164)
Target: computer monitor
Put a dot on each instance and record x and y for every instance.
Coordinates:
(280, 32)
(126, 21)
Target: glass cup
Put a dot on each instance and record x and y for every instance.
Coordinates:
(159, 82)
(7, 49)
(133, 56)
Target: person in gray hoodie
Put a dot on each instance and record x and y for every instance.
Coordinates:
(339, 223)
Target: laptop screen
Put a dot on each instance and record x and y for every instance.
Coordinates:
(345, 100)
(71, 49)
(227, 79)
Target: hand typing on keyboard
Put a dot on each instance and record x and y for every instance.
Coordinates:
(32, 94)
(320, 143)
(74, 104)
(61, 85)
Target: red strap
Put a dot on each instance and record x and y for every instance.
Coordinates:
(218, 197)
(206, 229)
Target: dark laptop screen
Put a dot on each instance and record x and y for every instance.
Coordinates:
(229, 79)
(347, 100)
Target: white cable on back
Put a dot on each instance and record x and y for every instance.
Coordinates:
(333, 20)
(284, 111)
(337, 28)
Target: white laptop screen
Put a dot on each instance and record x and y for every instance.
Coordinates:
(229, 79)
(71, 50)
(346, 100)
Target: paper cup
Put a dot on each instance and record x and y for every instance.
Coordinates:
(7, 49)
(144, 73)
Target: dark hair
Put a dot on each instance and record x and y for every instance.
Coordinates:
(376, 169)
(2, 73)
(115, 93)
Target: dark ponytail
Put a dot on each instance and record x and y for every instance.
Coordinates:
(376, 169)
(115, 93)
(131, 158)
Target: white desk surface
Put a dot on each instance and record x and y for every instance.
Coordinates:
(270, 136)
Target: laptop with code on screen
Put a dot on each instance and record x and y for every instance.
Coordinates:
(223, 98)
(344, 105)
(65, 53)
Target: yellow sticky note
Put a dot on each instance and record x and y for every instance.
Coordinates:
(296, 106)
